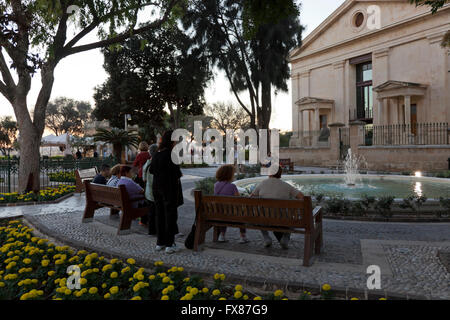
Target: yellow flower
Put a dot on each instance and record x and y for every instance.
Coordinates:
(188, 296)
(68, 292)
(216, 292)
(131, 261)
(194, 291)
(170, 288)
(151, 277)
(222, 277)
(278, 293)
(205, 290)
(165, 279)
(107, 296)
(238, 294)
(238, 288)
(106, 267)
(83, 281)
(326, 287)
(245, 297)
(104, 285)
(93, 290)
(216, 276)
(222, 298)
(165, 297)
(114, 290)
(136, 298)
(114, 275)
(382, 299)
(257, 298)
(354, 299)
(51, 273)
(45, 263)
(180, 269)
(165, 291)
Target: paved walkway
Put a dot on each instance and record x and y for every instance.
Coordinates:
(407, 253)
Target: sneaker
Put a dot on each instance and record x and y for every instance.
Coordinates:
(159, 248)
(244, 240)
(171, 249)
(221, 238)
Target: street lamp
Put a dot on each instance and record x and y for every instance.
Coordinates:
(127, 117)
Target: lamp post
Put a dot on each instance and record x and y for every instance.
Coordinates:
(127, 117)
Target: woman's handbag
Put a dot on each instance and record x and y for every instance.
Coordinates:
(189, 242)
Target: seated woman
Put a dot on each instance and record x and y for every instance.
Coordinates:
(275, 188)
(134, 190)
(225, 187)
(115, 176)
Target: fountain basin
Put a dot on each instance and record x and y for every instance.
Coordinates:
(372, 185)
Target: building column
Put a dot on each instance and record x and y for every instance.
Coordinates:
(295, 81)
(407, 109)
(380, 112)
(338, 114)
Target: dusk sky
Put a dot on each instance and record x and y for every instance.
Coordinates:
(77, 75)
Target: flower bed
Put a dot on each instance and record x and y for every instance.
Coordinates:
(62, 176)
(48, 194)
(32, 268)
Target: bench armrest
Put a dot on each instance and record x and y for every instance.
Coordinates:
(317, 210)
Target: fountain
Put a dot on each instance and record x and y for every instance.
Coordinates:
(352, 164)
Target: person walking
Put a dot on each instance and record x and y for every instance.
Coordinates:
(275, 188)
(225, 187)
(167, 194)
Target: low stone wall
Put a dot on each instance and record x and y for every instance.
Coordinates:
(406, 158)
(379, 158)
(310, 156)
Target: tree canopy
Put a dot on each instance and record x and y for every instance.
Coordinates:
(151, 71)
(250, 41)
(8, 131)
(34, 36)
(434, 4)
(66, 115)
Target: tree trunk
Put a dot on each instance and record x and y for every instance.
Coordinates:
(30, 141)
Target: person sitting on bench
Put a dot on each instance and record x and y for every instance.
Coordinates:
(275, 188)
(101, 178)
(115, 176)
(134, 190)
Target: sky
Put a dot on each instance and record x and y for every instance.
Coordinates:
(77, 75)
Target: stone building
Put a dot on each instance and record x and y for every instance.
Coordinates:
(373, 76)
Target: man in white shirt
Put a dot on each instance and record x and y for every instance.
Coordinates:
(275, 188)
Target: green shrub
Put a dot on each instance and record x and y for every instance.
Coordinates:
(383, 206)
(336, 205)
(206, 185)
(367, 201)
(413, 202)
(445, 203)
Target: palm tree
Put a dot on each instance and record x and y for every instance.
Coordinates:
(119, 139)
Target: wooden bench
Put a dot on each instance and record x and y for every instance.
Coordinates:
(84, 175)
(293, 216)
(287, 163)
(115, 198)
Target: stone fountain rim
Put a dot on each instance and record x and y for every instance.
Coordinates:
(238, 183)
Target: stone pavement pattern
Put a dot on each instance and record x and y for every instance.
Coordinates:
(407, 253)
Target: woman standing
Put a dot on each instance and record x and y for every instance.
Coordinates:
(139, 162)
(167, 194)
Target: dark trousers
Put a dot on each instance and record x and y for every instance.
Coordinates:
(166, 221)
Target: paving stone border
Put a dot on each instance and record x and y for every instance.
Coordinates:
(37, 203)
